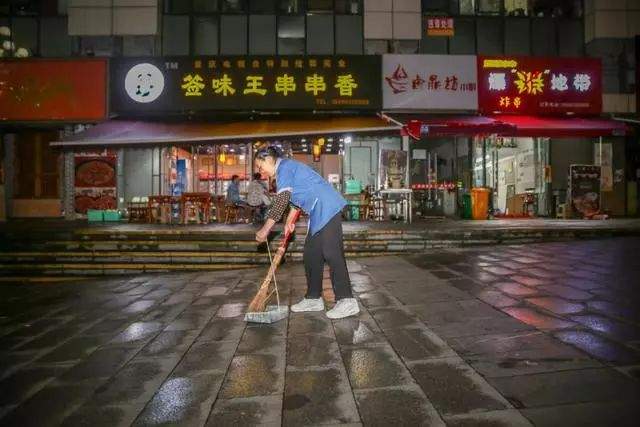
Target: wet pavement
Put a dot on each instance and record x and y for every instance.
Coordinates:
(539, 334)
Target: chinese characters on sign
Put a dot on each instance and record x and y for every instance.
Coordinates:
(430, 81)
(440, 26)
(539, 85)
(269, 83)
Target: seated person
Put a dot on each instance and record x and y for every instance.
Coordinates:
(257, 195)
(233, 193)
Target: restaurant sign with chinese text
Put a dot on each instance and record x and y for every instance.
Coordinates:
(179, 84)
(527, 85)
(430, 82)
(440, 26)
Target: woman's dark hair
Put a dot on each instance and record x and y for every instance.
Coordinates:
(234, 177)
(270, 151)
(257, 176)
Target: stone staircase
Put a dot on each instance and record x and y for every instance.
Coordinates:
(68, 249)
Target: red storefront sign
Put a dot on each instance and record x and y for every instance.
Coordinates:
(53, 90)
(440, 26)
(527, 85)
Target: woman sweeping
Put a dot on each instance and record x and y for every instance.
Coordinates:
(301, 186)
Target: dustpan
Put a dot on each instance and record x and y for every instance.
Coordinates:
(259, 311)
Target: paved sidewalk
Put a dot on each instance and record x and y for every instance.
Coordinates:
(542, 334)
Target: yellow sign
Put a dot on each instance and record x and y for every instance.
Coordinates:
(315, 84)
(529, 82)
(192, 85)
(223, 85)
(254, 85)
(499, 63)
(285, 84)
(346, 84)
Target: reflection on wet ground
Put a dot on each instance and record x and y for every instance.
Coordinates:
(542, 334)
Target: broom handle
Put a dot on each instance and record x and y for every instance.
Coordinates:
(257, 301)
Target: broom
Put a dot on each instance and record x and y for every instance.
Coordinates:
(259, 302)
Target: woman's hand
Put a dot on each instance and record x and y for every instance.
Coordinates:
(290, 227)
(262, 235)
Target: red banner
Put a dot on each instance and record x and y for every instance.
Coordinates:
(53, 90)
(527, 85)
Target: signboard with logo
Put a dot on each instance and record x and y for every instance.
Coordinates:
(159, 85)
(440, 26)
(430, 82)
(53, 90)
(527, 85)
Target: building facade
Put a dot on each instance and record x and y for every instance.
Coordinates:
(330, 28)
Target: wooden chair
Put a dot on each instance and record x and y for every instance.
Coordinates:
(139, 209)
(366, 207)
(196, 207)
(160, 209)
(231, 212)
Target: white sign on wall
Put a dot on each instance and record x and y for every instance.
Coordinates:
(429, 82)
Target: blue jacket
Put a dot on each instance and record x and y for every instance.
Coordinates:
(309, 192)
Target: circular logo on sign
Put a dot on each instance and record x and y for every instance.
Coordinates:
(144, 83)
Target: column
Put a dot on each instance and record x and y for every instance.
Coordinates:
(69, 188)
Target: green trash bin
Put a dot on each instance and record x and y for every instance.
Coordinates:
(466, 206)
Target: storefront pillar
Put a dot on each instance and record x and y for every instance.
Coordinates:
(9, 172)
(406, 148)
(68, 190)
(120, 153)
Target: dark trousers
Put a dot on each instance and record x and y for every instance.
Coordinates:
(327, 246)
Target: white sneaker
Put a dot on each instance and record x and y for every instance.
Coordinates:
(344, 308)
(308, 304)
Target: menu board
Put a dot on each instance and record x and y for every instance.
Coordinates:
(584, 190)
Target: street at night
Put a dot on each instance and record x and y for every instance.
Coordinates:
(545, 334)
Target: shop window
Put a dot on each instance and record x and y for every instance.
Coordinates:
(233, 33)
(319, 5)
(348, 34)
(138, 45)
(517, 36)
(54, 39)
(405, 46)
(262, 6)
(516, 7)
(464, 40)
(175, 35)
(25, 34)
(262, 35)
(436, 6)
(557, 8)
(544, 40)
(320, 34)
(205, 35)
(23, 7)
(100, 46)
(234, 6)
(177, 7)
(36, 167)
(467, 7)
(291, 7)
(291, 33)
(348, 7)
(490, 38)
(376, 47)
(205, 6)
(489, 7)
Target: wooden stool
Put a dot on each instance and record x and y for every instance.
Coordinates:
(230, 214)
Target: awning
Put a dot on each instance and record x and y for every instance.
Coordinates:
(125, 132)
(559, 127)
(433, 125)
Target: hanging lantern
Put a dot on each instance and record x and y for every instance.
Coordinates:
(222, 157)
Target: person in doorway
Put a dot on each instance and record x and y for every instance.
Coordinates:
(233, 195)
(257, 196)
(302, 187)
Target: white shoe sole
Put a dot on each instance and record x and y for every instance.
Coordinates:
(305, 310)
(349, 313)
